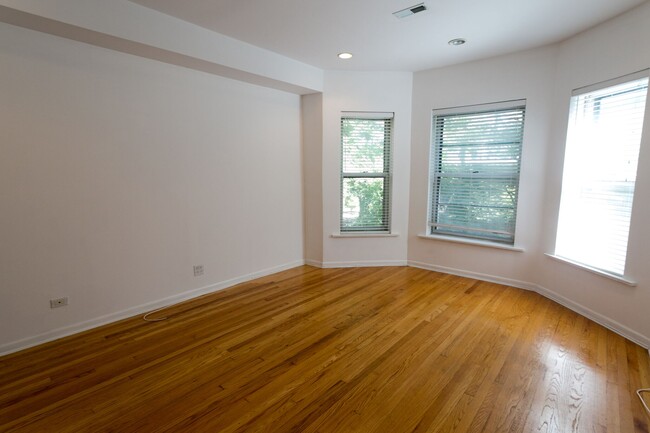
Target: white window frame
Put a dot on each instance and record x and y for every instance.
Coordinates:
(483, 237)
(386, 174)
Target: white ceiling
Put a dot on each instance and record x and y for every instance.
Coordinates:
(314, 31)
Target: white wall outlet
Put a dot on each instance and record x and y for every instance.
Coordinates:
(198, 270)
(59, 302)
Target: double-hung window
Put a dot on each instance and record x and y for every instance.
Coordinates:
(365, 171)
(600, 165)
(474, 171)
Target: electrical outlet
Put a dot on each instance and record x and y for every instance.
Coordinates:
(59, 302)
(198, 270)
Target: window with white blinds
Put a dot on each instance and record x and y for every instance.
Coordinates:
(365, 171)
(600, 165)
(474, 170)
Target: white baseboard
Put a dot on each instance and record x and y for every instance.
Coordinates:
(65, 331)
(475, 275)
(55, 334)
(364, 264)
(608, 323)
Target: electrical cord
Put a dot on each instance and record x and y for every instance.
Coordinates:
(645, 405)
(155, 311)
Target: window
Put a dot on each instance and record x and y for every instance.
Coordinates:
(365, 171)
(474, 171)
(600, 164)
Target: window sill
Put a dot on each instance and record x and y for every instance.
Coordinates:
(618, 278)
(472, 242)
(364, 235)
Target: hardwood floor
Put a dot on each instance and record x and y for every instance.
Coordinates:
(336, 350)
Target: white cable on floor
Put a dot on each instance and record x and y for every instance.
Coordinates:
(155, 311)
(641, 391)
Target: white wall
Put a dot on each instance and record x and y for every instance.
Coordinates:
(119, 173)
(365, 91)
(545, 77)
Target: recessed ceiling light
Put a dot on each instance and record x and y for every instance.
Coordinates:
(457, 41)
(345, 56)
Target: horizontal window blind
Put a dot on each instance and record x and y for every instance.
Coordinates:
(365, 171)
(474, 171)
(601, 157)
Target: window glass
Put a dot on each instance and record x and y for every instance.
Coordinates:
(474, 171)
(365, 172)
(601, 157)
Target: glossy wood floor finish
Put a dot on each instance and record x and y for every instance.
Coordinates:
(336, 350)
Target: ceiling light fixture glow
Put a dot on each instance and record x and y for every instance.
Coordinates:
(345, 56)
(457, 41)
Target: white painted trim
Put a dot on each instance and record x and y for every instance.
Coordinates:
(476, 275)
(65, 331)
(601, 319)
(617, 278)
(364, 264)
(476, 242)
(364, 235)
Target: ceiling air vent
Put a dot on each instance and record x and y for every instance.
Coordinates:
(410, 10)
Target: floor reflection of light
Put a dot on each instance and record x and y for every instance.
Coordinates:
(568, 390)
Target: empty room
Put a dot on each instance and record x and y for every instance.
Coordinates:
(389, 216)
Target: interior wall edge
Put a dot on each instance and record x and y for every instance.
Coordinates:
(104, 40)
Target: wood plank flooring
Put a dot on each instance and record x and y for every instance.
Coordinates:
(336, 350)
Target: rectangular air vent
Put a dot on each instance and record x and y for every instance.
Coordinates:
(410, 10)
